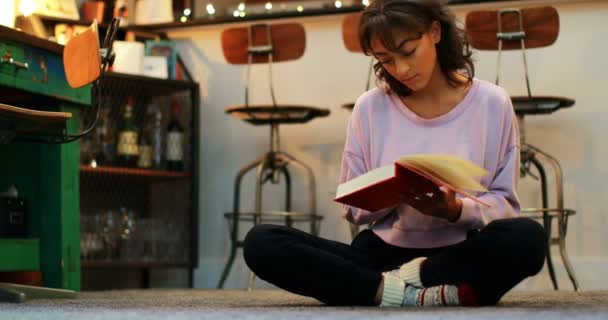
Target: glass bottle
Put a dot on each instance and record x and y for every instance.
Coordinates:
(175, 141)
(127, 150)
(156, 138)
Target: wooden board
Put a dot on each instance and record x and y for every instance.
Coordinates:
(289, 41)
(540, 24)
(81, 60)
(35, 115)
(350, 32)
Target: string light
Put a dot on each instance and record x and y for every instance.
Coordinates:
(268, 6)
(27, 7)
(236, 14)
(365, 2)
(300, 8)
(183, 19)
(187, 12)
(338, 4)
(241, 7)
(210, 9)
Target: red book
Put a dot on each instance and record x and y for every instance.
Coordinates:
(421, 175)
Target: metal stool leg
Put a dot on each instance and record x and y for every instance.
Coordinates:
(567, 264)
(562, 227)
(259, 184)
(234, 226)
(287, 188)
(312, 189)
(546, 218)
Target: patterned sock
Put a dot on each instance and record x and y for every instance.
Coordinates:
(442, 295)
(397, 293)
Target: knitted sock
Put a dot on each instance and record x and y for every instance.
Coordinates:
(410, 272)
(443, 295)
(397, 293)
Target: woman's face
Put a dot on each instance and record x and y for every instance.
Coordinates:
(414, 61)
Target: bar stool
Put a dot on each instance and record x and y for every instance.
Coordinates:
(521, 29)
(267, 44)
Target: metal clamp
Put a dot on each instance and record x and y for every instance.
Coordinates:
(7, 58)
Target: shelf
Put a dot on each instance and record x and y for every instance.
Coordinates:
(252, 17)
(131, 264)
(101, 25)
(20, 254)
(327, 9)
(150, 86)
(133, 173)
(70, 21)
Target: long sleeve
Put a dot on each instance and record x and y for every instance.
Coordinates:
(355, 161)
(502, 196)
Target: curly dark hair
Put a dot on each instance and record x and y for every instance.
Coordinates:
(383, 17)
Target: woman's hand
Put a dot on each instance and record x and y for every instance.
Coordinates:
(434, 201)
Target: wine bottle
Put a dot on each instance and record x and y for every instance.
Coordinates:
(175, 141)
(145, 149)
(127, 150)
(157, 137)
(146, 139)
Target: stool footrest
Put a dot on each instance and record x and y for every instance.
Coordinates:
(273, 216)
(538, 213)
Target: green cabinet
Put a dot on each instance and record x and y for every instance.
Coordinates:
(46, 175)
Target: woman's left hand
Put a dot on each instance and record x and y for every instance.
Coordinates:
(435, 202)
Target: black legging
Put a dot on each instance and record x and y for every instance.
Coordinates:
(491, 261)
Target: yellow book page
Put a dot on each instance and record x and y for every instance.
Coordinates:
(455, 172)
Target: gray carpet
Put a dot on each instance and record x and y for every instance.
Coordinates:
(276, 304)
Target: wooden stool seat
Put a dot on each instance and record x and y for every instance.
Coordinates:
(348, 106)
(524, 105)
(269, 114)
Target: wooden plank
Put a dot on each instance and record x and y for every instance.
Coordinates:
(34, 115)
(540, 24)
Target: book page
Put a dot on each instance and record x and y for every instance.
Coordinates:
(456, 173)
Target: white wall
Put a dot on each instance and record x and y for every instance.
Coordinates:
(7, 14)
(328, 76)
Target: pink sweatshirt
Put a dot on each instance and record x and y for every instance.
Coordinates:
(481, 128)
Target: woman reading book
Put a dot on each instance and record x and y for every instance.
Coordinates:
(434, 247)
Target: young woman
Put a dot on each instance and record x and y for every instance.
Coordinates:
(439, 250)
